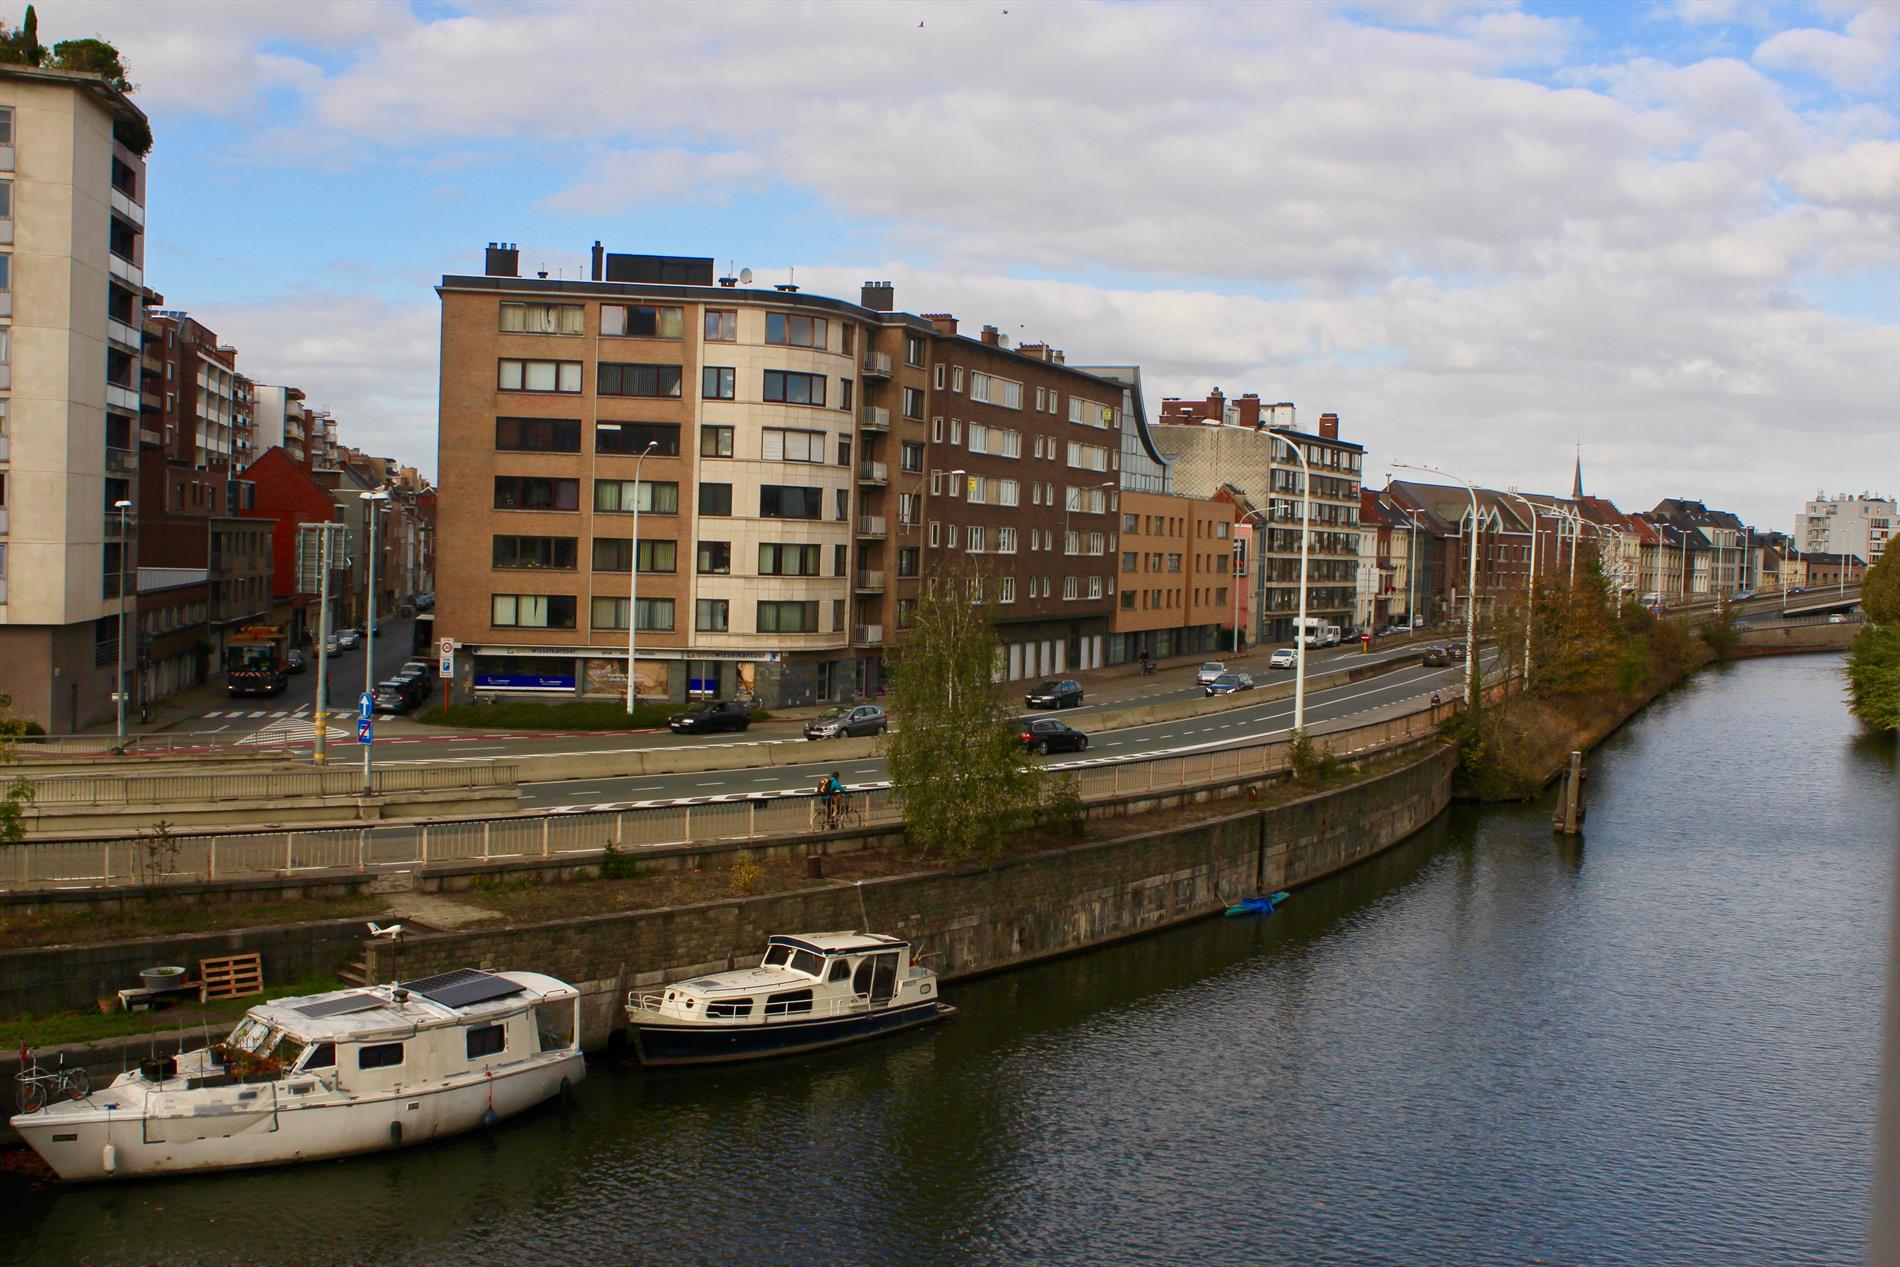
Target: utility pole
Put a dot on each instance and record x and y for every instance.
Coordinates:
(320, 753)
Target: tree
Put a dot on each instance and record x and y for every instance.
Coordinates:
(1873, 663)
(17, 793)
(23, 47)
(92, 57)
(954, 753)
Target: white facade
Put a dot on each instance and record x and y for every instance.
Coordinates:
(1857, 524)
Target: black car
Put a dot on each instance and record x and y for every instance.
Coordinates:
(1046, 734)
(393, 696)
(1064, 694)
(298, 662)
(1456, 650)
(718, 715)
(423, 675)
(1436, 657)
(1228, 683)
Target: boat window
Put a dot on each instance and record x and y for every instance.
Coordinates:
(487, 1040)
(806, 962)
(777, 955)
(790, 1003)
(379, 1056)
(250, 1035)
(554, 1024)
(840, 970)
(287, 1051)
(729, 1007)
(861, 979)
(322, 1056)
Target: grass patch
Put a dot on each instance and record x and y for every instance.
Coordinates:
(569, 715)
(59, 1028)
(82, 925)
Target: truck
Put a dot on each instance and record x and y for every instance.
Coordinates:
(257, 662)
(1316, 632)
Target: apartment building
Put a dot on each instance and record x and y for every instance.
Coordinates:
(1212, 442)
(279, 419)
(72, 231)
(1177, 592)
(1859, 524)
(1506, 530)
(1720, 535)
(1819, 570)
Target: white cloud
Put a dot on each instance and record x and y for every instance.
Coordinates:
(626, 178)
(1862, 177)
(1863, 57)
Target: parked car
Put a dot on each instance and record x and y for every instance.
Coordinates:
(332, 645)
(392, 696)
(1455, 650)
(717, 715)
(1208, 672)
(1837, 619)
(1046, 734)
(1066, 693)
(1741, 596)
(1284, 658)
(1436, 657)
(1228, 683)
(1389, 630)
(1797, 589)
(843, 721)
(297, 660)
(421, 675)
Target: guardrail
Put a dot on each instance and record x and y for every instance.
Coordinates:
(187, 857)
(262, 785)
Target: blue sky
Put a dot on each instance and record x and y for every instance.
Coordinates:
(1475, 230)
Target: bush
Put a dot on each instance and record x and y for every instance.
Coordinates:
(745, 875)
(1311, 763)
(616, 863)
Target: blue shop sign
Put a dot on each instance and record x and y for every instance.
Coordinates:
(532, 681)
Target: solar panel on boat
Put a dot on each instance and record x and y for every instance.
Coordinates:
(340, 1007)
(463, 987)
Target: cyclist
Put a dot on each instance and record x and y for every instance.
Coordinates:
(832, 790)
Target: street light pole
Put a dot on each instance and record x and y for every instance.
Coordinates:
(320, 753)
(1306, 533)
(633, 583)
(122, 507)
(1530, 586)
(1244, 515)
(371, 505)
(1471, 584)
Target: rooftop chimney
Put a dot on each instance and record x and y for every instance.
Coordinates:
(1250, 410)
(1329, 426)
(878, 296)
(989, 337)
(600, 259)
(943, 321)
(503, 260)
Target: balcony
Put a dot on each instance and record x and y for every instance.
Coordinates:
(122, 461)
(125, 206)
(874, 473)
(124, 335)
(867, 635)
(871, 526)
(149, 435)
(877, 365)
(125, 398)
(113, 520)
(125, 270)
(872, 418)
(870, 582)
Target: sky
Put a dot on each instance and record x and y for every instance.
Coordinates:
(1483, 233)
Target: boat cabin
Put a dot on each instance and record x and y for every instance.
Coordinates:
(799, 976)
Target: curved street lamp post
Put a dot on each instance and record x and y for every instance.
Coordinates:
(1471, 583)
(633, 581)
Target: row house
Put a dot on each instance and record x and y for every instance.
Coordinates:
(1717, 537)
(1507, 530)
(1820, 569)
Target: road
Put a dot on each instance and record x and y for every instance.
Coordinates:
(288, 718)
(1244, 725)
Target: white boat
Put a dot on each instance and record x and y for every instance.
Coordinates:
(324, 1075)
(811, 991)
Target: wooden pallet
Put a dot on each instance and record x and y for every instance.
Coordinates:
(231, 977)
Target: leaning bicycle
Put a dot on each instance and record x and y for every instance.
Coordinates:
(36, 1086)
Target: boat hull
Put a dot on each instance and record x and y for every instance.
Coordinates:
(74, 1140)
(660, 1043)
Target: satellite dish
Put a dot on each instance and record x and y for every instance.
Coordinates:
(745, 277)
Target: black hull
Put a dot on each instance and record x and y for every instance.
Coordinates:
(661, 1045)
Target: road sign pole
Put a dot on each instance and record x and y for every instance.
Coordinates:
(321, 753)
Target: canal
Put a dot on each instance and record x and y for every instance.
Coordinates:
(1658, 1046)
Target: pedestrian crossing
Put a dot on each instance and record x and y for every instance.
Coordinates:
(256, 714)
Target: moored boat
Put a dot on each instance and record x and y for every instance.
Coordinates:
(323, 1075)
(810, 991)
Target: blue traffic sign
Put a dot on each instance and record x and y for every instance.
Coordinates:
(365, 706)
(365, 730)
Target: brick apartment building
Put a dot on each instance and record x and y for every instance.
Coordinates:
(809, 463)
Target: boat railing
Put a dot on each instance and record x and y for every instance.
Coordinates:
(780, 1010)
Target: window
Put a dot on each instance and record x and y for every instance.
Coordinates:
(711, 615)
(535, 552)
(1088, 457)
(909, 507)
(633, 437)
(956, 378)
(6, 272)
(935, 529)
(937, 381)
(936, 431)
(540, 376)
(794, 331)
(379, 1056)
(535, 492)
(1071, 587)
(907, 560)
(485, 1040)
(532, 611)
(786, 388)
(639, 380)
(839, 556)
(996, 441)
(6, 125)
(538, 435)
(1006, 540)
(844, 451)
(996, 391)
(792, 1002)
(611, 613)
(718, 382)
(1041, 399)
(844, 394)
(1131, 561)
(611, 554)
(792, 617)
(975, 540)
(844, 503)
(1131, 523)
(913, 403)
(660, 497)
(722, 325)
(642, 321)
(790, 501)
(715, 499)
(780, 559)
(956, 431)
(715, 442)
(914, 349)
(1006, 589)
(525, 318)
(906, 613)
(910, 455)
(793, 446)
(715, 558)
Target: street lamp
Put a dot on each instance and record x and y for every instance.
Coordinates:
(123, 507)
(1306, 534)
(1245, 514)
(372, 505)
(633, 581)
(1471, 583)
(1530, 586)
(1066, 508)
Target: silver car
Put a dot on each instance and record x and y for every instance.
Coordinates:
(842, 721)
(1208, 672)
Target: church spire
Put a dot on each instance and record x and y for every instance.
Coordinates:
(1576, 482)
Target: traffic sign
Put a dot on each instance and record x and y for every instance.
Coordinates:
(446, 659)
(365, 706)
(365, 730)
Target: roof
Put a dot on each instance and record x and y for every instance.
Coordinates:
(368, 1012)
(839, 943)
(110, 97)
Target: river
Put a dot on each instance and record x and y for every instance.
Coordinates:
(1659, 1046)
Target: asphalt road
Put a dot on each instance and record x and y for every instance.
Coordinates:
(1244, 725)
(290, 717)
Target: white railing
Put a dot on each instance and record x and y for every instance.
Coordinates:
(874, 472)
(874, 418)
(870, 580)
(263, 785)
(867, 635)
(878, 363)
(870, 525)
(128, 208)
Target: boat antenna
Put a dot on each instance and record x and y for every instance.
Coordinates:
(861, 911)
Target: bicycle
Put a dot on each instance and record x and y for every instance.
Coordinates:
(38, 1087)
(844, 811)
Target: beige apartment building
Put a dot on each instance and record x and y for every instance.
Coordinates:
(72, 231)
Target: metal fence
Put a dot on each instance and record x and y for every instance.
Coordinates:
(262, 785)
(182, 742)
(190, 857)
